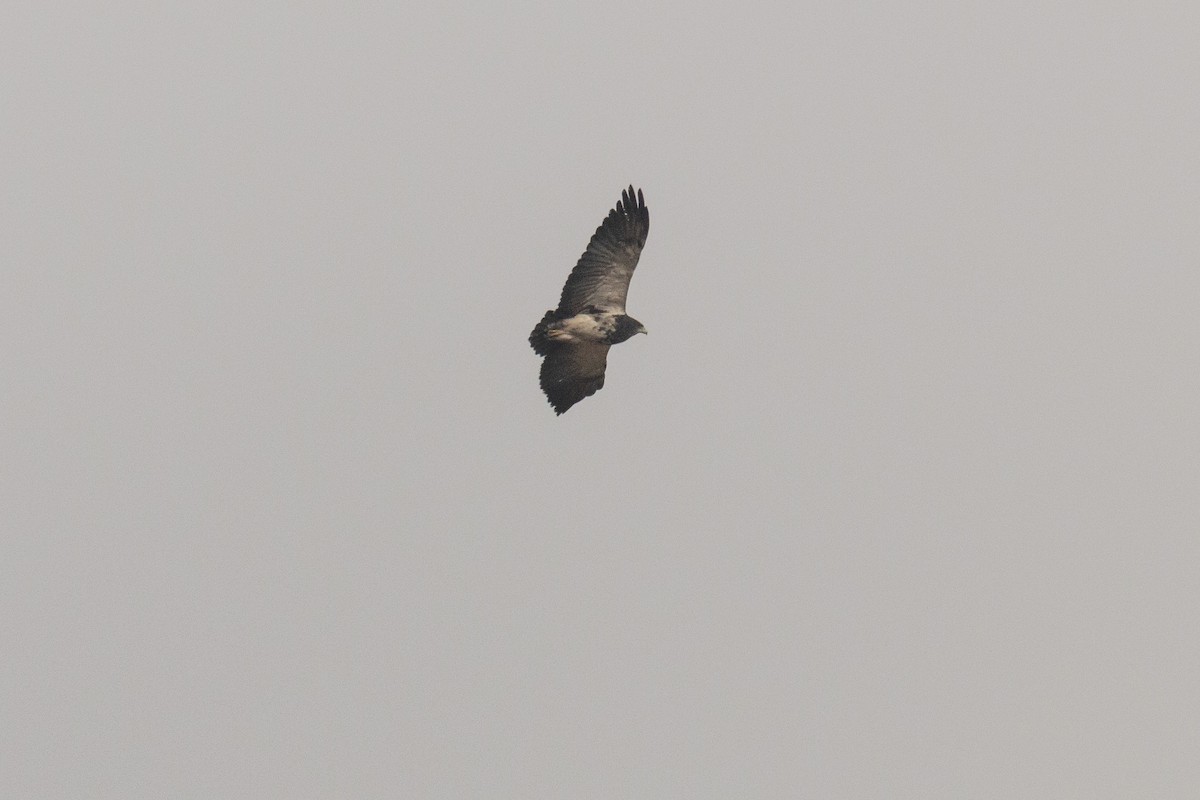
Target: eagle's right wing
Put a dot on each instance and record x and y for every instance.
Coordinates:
(571, 372)
(601, 277)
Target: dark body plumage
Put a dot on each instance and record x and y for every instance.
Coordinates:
(574, 338)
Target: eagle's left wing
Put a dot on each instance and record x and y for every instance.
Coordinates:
(571, 372)
(601, 278)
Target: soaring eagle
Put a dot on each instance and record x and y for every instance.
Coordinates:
(590, 318)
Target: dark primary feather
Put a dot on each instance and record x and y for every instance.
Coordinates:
(573, 372)
(601, 278)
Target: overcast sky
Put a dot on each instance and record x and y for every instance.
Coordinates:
(900, 498)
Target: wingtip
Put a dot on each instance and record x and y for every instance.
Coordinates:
(632, 200)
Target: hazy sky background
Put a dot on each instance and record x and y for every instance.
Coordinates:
(900, 498)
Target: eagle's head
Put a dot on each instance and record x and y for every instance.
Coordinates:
(626, 328)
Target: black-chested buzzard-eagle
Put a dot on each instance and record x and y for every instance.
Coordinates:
(574, 338)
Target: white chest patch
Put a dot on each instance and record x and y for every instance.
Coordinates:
(582, 327)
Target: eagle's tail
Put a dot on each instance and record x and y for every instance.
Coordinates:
(538, 339)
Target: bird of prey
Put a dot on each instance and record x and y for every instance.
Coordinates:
(574, 338)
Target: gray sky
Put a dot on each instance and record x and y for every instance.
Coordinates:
(899, 498)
